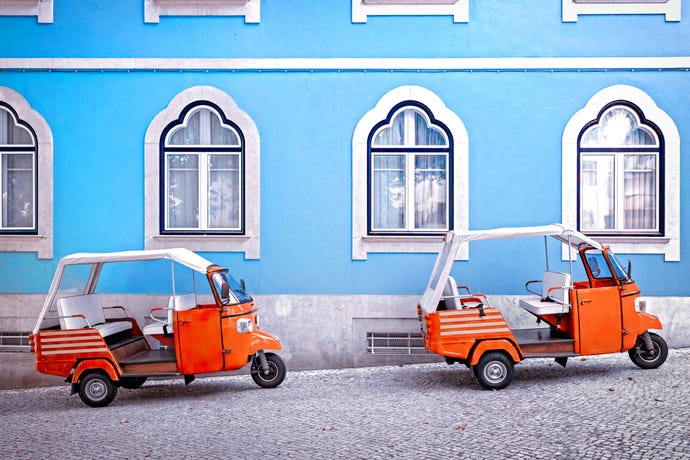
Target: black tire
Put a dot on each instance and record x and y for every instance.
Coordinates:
(275, 374)
(646, 359)
(494, 371)
(132, 383)
(96, 389)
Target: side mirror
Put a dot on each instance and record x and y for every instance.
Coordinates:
(629, 272)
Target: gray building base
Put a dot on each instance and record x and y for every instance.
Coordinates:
(316, 331)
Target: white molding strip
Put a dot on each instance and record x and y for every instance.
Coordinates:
(671, 9)
(350, 64)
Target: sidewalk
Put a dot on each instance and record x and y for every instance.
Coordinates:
(597, 407)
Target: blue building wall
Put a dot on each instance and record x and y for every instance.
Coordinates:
(515, 121)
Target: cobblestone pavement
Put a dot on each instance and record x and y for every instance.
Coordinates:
(598, 407)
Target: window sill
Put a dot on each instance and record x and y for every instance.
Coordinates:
(363, 245)
(249, 244)
(632, 239)
(42, 245)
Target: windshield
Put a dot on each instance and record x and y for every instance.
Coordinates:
(228, 289)
(600, 269)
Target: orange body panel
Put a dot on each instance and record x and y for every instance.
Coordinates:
(198, 344)
(102, 364)
(600, 321)
(58, 351)
(489, 345)
(454, 333)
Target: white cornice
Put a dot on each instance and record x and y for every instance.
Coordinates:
(346, 64)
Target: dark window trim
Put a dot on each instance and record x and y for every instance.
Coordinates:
(178, 148)
(34, 149)
(450, 174)
(662, 180)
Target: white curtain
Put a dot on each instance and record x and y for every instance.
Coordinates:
(224, 191)
(183, 191)
(430, 191)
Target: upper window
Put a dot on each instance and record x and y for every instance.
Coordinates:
(42, 9)
(202, 175)
(361, 9)
(409, 162)
(409, 174)
(26, 178)
(669, 8)
(620, 164)
(621, 184)
(250, 9)
(202, 181)
(18, 174)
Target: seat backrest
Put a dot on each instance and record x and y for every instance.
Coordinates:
(88, 305)
(185, 301)
(555, 279)
(450, 291)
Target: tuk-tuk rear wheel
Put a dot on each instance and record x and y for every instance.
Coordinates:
(275, 374)
(494, 371)
(96, 389)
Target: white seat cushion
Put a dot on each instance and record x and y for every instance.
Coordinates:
(535, 305)
(92, 308)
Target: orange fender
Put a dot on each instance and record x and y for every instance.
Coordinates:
(498, 345)
(648, 321)
(263, 341)
(102, 364)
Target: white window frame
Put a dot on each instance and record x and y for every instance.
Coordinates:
(669, 243)
(42, 9)
(249, 242)
(42, 242)
(250, 9)
(459, 9)
(571, 9)
(362, 243)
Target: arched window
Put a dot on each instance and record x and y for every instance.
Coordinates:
(409, 159)
(203, 176)
(621, 180)
(26, 178)
(202, 182)
(620, 161)
(18, 168)
(409, 175)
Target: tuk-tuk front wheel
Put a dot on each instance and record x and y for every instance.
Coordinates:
(96, 389)
(494, 371)
(650, 352)
(272, 375)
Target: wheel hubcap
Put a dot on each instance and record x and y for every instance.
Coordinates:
(96, 389)
(495, 372)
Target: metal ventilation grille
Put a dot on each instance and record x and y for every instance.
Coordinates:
(395, 343)
(14, 341)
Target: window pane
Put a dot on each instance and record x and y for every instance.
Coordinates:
(183, 191)
(189, 134)
(11, 133)
(425, 135)
(640, 192)
(430, 191)
(222, 135)
(597, 192)
(224, 191)
(393, 134)
(389, 191)
(17, 191)
(618, 127)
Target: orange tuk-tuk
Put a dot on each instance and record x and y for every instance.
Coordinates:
(98, 352)
(596, 315)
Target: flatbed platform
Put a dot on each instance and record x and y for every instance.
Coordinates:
(542, 342)
(151, 362)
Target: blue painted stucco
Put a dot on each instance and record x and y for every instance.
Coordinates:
(514, 120)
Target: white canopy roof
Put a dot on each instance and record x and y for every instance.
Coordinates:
(453, 239)
(180, 255)
(96, 260)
